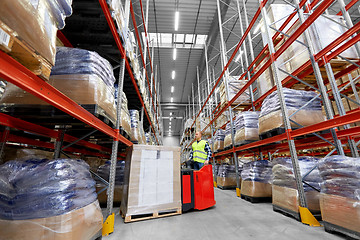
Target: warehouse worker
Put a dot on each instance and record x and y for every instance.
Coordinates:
(201, 152)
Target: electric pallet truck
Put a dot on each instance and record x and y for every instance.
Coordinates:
(197, 189)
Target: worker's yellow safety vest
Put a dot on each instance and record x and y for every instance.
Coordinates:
(199, 154)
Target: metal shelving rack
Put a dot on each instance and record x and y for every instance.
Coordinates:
(23, 131)
(327, 87)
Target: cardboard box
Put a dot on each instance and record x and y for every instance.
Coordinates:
(152, 180)
(288, 198)
(255, 189)
(80, 224)
(226, 181)
(340, 211)
(102, 197)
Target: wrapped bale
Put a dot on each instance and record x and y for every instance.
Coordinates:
(226, 176)
(271, 116)
(340, 194)
(247, 127)
(284, 189)
(48, 199)
(104, 172)
(201, 123)
(219, 140)
(152, 182)
(135, 126)
(36, 23)
(221, 120)
(125, 115)
(234, 86)
(227, 139)
(256, 179)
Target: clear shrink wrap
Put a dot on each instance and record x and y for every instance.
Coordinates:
(188, 124)
(221, 121)
(201, 123)
(125, 115)
(36, 22)
(340, 192)
(309, 114)
(81, 61)
(48, 199)
(226, 176)
(227, 139)
(234, 86)
(219, 140)
(152, 180)
(247, 127)
(135, 127)
(84, 89)
(284, 190)
(256, 179)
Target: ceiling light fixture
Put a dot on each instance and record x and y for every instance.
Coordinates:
(172, 89)
(174, 54)
(171, 99)
(170, 113)
(173, 74)
(176, 20)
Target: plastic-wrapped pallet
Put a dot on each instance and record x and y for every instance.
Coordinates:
(215, 170)
(340, 193)
(256, 179)
(48, 199)
(284, 190)
(247, 127)
(201, 123)
(221, 120)
(103, 171)
(219, 140)
(234, 86)
(271, 116)
(226, 176)
(135, 127)
(125, 115)
(36, 22)
(152, 182)
(227, 139)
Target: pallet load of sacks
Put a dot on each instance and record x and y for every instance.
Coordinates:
(219, 137)
(340, 194)
(284, 189)
(226, 176)
(48, 199)
(137, 130)
(104, 171)
(256, 180)
(304, 108)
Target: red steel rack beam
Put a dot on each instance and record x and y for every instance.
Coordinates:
(19, 124)
(63, 39)
(142, 56)
(347, 7)
(111, 24)
(14, 72)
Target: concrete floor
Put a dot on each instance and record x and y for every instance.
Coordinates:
(231, 218)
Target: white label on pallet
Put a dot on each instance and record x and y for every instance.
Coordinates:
(4, 38)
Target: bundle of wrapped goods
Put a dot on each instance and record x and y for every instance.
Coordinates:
(142, 134)
(201, 123)
(117, 12)
(94, 162)
(189, 122)
(215, 170)
(135, 126)
(256, 179)
(226, 176)
(221, 120)
(125, 115)
(340, 194)
(13, 153)
(284, 190)
(152, 182)
(228, 139)
(247, 127)
(309, 114)
(36, 23)
(103, 171)
(48, 199)
(148, 139)
(234, 86)
(219, 140)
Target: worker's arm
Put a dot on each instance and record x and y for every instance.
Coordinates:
(209, 153)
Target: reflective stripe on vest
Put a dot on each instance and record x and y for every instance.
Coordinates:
(199, 154)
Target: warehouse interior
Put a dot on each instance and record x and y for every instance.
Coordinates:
(102, 103)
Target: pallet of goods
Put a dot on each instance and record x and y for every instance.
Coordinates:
(285, 196)
(152, 186)
(340, 195)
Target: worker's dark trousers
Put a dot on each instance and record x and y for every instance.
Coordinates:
(198, 165)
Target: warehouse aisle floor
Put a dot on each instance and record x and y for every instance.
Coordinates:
(231, 218)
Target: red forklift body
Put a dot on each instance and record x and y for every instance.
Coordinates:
(204, 188)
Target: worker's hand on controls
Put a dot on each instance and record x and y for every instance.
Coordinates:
(206, 162)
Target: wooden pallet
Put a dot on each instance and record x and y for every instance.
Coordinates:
(256, 199)
(157, 214)
(293, 214)
(332, 228)
(97, 236)
(226, 187)
(13, 45)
